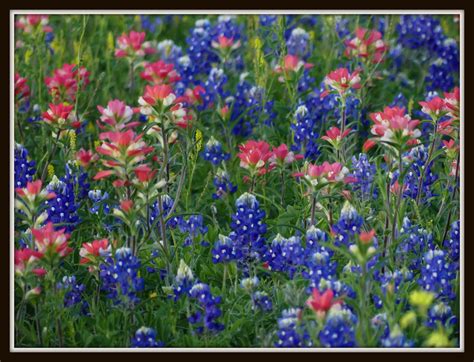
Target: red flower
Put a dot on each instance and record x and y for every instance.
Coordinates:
(85, 157)
(51, 243)
(254, 155)
(133, 45)
(341, 80)
(435, 107)
(63, 84)
(58, 115)
(160, 73)
(97, 248)
(452, 103)
(144, 173)
(321, 303)
(126, 205)
(32, 190)
(291, 63)
(366, 44)
(367, 237)
(334, 136)
(24, 258)
(281, 156)
(368, 145)
(22, 90)
(225, 43)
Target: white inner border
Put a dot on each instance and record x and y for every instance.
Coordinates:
(236, 12)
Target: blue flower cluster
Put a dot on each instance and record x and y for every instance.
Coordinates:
(70, 190)
(167, 203)
(437, 274)
(193, 226)
(168, 51)
(248, 230)
(74, 293)
(120, 278)
(24, 168)
(292, 332)
(285, 255)
(339, 328)
(145, 338)
(223, 251)
(199, 50)
(99, 204)
(223, 185)
(298, 44)
(395, 279)
(348, 225)
(205, 318)
(364, 171)
(415, 241)
(214, 153)
(452, 245)
(396, 339)
(261, 300)
(440, 314)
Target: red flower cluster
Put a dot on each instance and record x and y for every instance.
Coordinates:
(64, 83)
(366, 44)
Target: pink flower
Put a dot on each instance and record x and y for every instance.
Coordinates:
(368, 145)
(394, 126)
(292, 64)
(126, 205)
(156, 95)
(446, 127)
(452, 103)
(58, 115)
(321, 303)
(51, 243)
(33, 191)
(85, 157)
(133, 45)
(160, 73)
(435, 108)
(116, 116)
(63, 85)
(340, 80)
(334, 136)
(25, 258)
(366, 44)
(254, 155)
(144, 173)
(281, 156)
(22, 90)
(366, 237)
(29, 23)
(325, 173)
(90, 251)
(225, 43)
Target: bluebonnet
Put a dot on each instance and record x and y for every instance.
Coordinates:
(99, 203)
(214, 87)
(415, 241)
(285, 255)
(214, 153)
(199, 49)
(396, 338)
(151, 23)
(145, 338)
(437, 274)
(299, 44)
(339, 328)
(70, 190)
(74, 293)
(193, 226)
(24, 168)
(223, 251)
(440, 314)
(291, 331)
(318, 259)
(168, 51)
(249, 107)
(205, 318)
(223, 185)
(364, 171)
(249, 284)
(267, 20)
(342, 27)
(304, 133)
(348, 225)
(339, 288)
(420, 31)
(261, 300)
(395, 279)
(227, 26)
(120, 278)
(440, 76)
(248, 230)
(167, 203)
(183, 281)
(452, 245)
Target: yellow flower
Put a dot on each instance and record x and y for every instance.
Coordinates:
(110, 41)
(72, 140)
(198, 137)
(421, 299)
(438, 339)
(153, 295)
(408, 319)
(50, 171)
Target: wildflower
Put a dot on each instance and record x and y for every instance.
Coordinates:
(340, 81)
(292, 331)
(396, 338)
(22, 90)
(321, 303)
(394, 126)
(261, 300)
(254, 156)
(116, 116)
(160, 73)
(133, 46)
(145, 338)
(223, 251)
(184, 279)
(281, 156)
(59, 115)
(33, 193)
(205, 318)
(285, 255)
(65, 82)
(334, 136)
(437, 274)
(74, 293)
(85, 157)
(363, 173)
(25, 261)
(248, 284)
(223, 43)
(90, 252)
(51, 244)
(31, 23)
(214, 153)
(298, 43)
(438, 339)
(291, 63)
(339, 328)
(452, 103)
(326, 173)
(421, 299)
(24, 167)
(367, 44)
(348, 225)
(120, 278)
